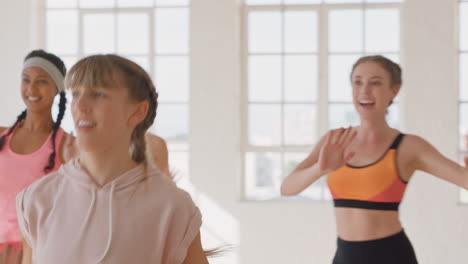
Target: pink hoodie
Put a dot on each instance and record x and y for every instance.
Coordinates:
(67, 218)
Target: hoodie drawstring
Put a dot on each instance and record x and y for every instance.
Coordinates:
(109, 237)
(91, 208)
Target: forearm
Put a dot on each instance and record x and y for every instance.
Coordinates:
(465, 180)
(299, 180)
(465, 186)
(27, 254)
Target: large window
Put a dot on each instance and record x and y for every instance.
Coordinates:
(463, 87)
(297, 60)
(153, 33)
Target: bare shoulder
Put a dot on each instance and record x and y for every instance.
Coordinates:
(2, 129)
(413, 147)
(67, 149)
(155, 141)
(414, 142)
(66, 138)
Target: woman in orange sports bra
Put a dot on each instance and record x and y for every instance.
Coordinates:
(368, 169)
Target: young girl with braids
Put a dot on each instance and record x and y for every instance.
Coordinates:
(369, 167)
(109, 205)
(32, 147)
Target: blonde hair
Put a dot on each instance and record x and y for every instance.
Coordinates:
(112, 70)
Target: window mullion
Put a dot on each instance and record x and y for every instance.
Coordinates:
(80, 34)
(152, 34)
(322, 103)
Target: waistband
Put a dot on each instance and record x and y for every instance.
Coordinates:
(385, 240)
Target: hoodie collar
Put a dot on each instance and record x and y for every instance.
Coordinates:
(77, 173)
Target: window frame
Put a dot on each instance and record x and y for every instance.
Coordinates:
(462, 152)
(40, 40)
(322, 102)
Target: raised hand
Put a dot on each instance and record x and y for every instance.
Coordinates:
(333, 152)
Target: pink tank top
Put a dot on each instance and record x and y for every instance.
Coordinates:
(17, 171)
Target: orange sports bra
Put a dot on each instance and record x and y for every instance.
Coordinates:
(375, 186)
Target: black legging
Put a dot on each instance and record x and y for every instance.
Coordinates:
(395, 249)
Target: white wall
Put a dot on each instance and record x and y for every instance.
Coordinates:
(436, 224)
(293, 232)
(15, 42)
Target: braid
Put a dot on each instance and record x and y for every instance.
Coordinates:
(139, 144)
(61, 113)
(138, 135)
(20, 118)
(153, 101)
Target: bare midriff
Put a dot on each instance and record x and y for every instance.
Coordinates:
(354, 224)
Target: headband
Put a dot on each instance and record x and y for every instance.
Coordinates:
(49, 67)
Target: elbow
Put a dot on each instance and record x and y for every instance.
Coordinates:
(465, 174)
(285, 191)
(464, 183)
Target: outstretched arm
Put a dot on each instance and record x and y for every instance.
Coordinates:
(429, 160)
(27, 253)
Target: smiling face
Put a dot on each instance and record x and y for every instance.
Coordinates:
(373, 90)
(114, 103)
(37, 89)
(101, 116)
